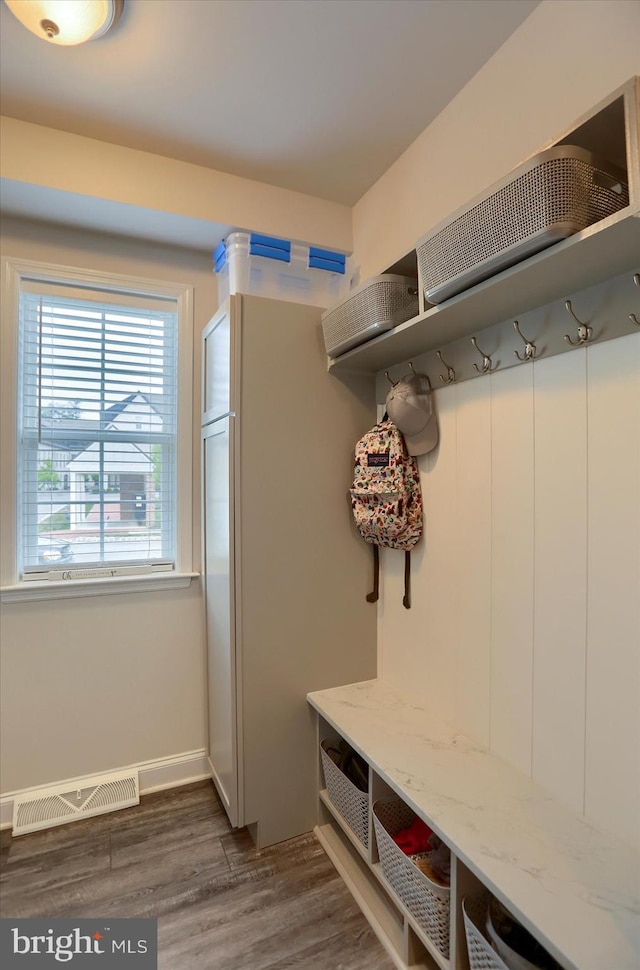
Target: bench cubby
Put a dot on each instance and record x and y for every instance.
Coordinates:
(573, 887)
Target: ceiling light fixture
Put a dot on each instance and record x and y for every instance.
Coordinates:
(67, 22)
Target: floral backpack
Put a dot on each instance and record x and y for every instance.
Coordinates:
(386, 499)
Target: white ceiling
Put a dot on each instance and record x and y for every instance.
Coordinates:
(320, 96)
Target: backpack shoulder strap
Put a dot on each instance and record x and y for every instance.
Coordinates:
(373, 596)
(406, 599)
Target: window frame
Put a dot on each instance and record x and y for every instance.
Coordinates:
(14, 273)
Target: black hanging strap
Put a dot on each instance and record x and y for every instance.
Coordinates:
(372, 597)
(406, 599)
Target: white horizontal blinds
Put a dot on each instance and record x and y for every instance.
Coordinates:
(98, 406)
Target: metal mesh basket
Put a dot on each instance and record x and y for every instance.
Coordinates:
(370, 309)
(351, 803)
(482, 956)
(555, 194)
(428, 902)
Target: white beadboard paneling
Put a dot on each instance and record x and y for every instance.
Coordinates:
(612, 770)
(473, 527)
(402, 643)
(560, 575)
(525, 629)
(512, 562)
(418, 644)
(439, 576)
(404, 640)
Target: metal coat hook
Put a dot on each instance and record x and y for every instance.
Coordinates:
(393, 383)
(585, 332)
(529, 348)
(414, 371)
(451, 374)
(487, 363)
(632, 316)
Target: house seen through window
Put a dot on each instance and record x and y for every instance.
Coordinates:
(97, 435)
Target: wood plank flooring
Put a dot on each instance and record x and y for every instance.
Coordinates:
(220, 904)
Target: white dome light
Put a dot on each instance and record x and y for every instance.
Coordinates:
(67, 22)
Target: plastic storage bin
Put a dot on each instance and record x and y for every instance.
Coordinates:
(554, 194)
(372, 308)
(489, 950)
(428, 902)
(351, 803)
(264, 266)
(482, 956)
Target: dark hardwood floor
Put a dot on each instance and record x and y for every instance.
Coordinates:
(220, 904)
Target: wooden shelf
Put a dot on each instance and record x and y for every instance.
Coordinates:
(383, 917)
(606, 249)
(386, 917)
(437, 957)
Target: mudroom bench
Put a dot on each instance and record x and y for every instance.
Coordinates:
(573, 887)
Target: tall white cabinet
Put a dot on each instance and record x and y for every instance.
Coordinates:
(285, 574)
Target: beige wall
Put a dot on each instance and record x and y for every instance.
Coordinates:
(54, 162)
(566, 57)
(98, 683)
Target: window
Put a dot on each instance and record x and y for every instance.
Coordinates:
(102, 489)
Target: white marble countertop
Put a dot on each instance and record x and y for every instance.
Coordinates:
(576, 887)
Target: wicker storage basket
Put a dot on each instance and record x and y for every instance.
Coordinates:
(489, 949)
(372, 308)
(350, 802)
(482, 956)
(554, 194)
(428, 902)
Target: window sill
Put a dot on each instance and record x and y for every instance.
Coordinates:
(70, 589)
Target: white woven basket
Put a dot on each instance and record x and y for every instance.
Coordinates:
(482, 956)
(428, 902)
(350, 802)
(554, 194)
(488, 950)
(372, 308)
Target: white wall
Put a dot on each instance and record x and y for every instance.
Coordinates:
(525, 626)
(566, 57)
(98, 683)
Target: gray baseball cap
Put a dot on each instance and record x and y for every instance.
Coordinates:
(410, 407)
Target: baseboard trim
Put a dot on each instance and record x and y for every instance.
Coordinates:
(156, 775)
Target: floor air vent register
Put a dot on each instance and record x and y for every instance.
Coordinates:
(59, 804)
